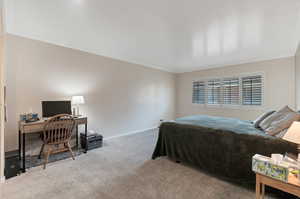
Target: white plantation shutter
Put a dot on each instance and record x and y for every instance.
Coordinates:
(252, 90)
(199, 92)
(231, 91)
(214, 92)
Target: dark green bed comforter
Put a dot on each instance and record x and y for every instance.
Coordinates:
(221, 146)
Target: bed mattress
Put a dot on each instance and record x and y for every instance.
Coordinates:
(221, 146)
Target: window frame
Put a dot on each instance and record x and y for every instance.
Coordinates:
(220, 92)
(233, 106)
(203, 94)
(239, 91)
(250, 89)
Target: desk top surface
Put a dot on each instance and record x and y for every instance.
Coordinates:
(41, 121)
(292, 180)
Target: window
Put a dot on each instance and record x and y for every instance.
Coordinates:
(231, 91)
(199, 92)
(245, 90)
(252, 90)
(214, 92)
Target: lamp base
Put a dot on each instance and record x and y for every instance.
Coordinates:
(74, 112)
(77, 110)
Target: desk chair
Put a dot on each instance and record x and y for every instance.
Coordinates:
(56, 135)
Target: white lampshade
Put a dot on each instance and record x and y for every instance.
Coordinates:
(76, 100)
(293, 133)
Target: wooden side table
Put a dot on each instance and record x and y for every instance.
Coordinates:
(292, 186)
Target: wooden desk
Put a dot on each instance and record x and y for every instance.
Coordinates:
(292, 186)
(37, 127)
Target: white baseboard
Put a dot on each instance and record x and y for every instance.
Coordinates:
(130, 133)
(2, 179)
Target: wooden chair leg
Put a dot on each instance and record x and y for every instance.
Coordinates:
(47, 157)
(70, 149)
(41, 151)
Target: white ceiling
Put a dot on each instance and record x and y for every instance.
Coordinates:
(174, 35)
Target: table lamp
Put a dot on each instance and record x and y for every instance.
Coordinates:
(77, 100)
(293, 134)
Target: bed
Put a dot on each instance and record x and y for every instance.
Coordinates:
(221, 146)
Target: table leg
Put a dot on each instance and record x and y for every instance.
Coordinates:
(24, 160)
(86, 140)
(262, 191)
(20, 146)
(258, 186)
(77, 136)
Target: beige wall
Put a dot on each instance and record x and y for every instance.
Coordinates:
(297, 74)
(1, 95)
(123, 97)
(279, 88)
(120, 97)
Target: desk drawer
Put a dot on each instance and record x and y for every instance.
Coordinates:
(33, 128)
(81, 121)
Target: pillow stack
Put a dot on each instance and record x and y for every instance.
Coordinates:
(261, 118)
(275, 123)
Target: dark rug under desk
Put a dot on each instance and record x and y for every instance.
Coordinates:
(34, 161)
(33, 147)
(34, 144)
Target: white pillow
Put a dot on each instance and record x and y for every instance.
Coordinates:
(279, 121)
(261, 118)
(281, 133)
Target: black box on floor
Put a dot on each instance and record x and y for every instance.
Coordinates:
(94, 140)
(12, 164)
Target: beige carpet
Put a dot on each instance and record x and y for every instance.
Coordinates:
(122, 169)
